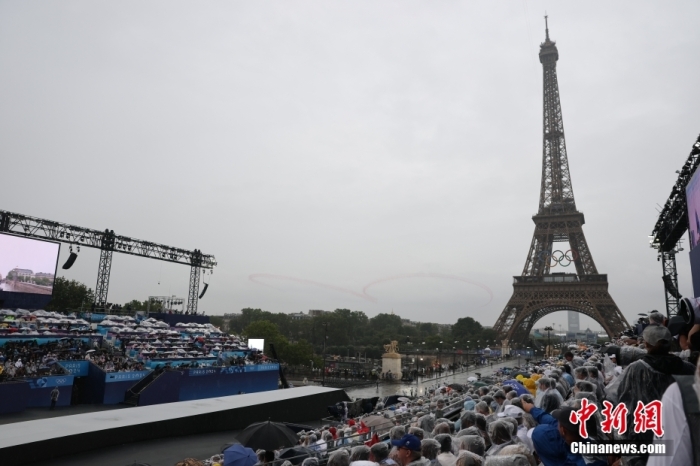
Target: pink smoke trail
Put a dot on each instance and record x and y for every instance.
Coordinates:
(256, 279)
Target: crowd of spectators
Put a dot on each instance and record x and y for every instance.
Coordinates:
(528, 420)
(28, 358)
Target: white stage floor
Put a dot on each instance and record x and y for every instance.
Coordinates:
(39, 430)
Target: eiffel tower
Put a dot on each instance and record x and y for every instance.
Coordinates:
(546, 285)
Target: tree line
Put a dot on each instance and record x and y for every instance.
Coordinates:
(352, 333)
(300, 340)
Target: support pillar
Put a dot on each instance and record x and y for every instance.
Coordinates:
(104, 269)
(195, 271)
(670, 278)
(193, 296)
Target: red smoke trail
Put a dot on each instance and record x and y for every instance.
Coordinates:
(256, 277)
(429, 275)
(364, 295)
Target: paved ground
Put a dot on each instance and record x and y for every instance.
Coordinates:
(45, 413)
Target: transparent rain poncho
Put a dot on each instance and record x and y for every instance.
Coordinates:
(473, 443)
(513, 422)
(441, 428)
(584, 386)
(444, 439)
(468, 419)
(629, 354)
(642, 382)
(339, 458)
(427, 423)
(418, 432)
(562, 390)
(467, 458)
(359, 453)
(445, 421)
(500, 433)
(510, 460)
(430, 448)
(472, 430)
(550, 402)
(397, 432)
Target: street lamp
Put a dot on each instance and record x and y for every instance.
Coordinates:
(325, 336)
(454, 362)
(548, 352)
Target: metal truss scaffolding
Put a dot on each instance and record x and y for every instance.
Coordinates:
(670, 228)
(108, 243)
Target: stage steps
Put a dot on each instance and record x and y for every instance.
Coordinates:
(132, 395)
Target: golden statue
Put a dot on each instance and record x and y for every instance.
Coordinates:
(392, 348)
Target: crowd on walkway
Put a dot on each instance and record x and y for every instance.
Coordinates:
(634, 390)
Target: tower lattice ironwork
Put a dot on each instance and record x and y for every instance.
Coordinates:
(545, 285)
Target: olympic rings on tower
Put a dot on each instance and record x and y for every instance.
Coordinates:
(559, 257)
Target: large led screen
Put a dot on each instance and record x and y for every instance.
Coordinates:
(27, 265)
(692, 194)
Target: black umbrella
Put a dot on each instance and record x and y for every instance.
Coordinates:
(229, 444)
(267, 436)
(456, 386)
(297, 427)
(296, 455)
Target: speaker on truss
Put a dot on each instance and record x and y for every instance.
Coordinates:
(71, 260)
(204, 290)
(670, 287)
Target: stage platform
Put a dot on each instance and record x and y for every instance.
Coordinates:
(45, 439)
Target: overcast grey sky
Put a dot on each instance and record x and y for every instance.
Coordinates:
(343, 143)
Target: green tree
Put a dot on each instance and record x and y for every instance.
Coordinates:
(298, 354)
(466, 329)
(426, 329)
(216, 321)
(137, 305)
(435, 342)
(70, 295)
(269, 332)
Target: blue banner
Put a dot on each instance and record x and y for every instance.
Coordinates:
(262, 367)
(234, 369)
(51, 381)
(205, 371)
(76, 368)
(153, 363)
(125, 376)
(233, 354)
(42, 340)
(40, 389)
